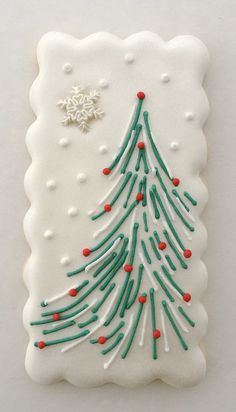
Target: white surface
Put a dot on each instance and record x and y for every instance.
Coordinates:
(22, 24)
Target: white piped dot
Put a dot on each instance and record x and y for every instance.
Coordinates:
(67, 68)
(103, 149)
(72, 211)
(64, 142)
(165, 78)
(51, 185)
(174, 146)
(189, 116)
(129, 57)
(65, 261)
(81, 177)
(103, 83)
(48, 234)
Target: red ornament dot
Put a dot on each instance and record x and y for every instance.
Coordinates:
(141, 95)
(141, 145)
(139, 197)
(41, 344)
(156, 333)
(128, 268)
(106, 171)
(56, 316)
(102, 340)
(107, 208)
(73, 292)
(162, 245)
(187, 297)
(176, 181)
(86, 252)
(187, 253)
(142, 299)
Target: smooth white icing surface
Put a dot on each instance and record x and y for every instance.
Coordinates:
(171, 104)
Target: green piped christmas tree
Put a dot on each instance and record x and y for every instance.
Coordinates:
(146, 197)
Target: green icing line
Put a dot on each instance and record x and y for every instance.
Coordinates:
(174, 326)
(118, 301)
(116, 264)
(123, 185)
(132, 147)
(126, 299)
(167, 218)
(82, 268)
(60, 327)
(140, 275)
(153, 146)
(114, 344)
(133, 331)
(132, 183)
(176, 252)
(170, 262)
(154, 205)
(64, 317)
(83, 284)
(114, 272)
(153, 318)
(157, 254)
(63, 340)
(132, 127)
(190, 198)
(145, 221)
(144, 202)
(146, 254)
(87, 322)
(99, 214)
(156, 236)
(176, 194)
(163, 286)
(105, 264)
(112, 333)
(137, 166)
(144, 157)
(169, 277)
(118, 225)
(191, 228)
(134, 243)
(190, 321)
(140, 186)
(104, 298)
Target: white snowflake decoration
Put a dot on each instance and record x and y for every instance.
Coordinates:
(81, 107)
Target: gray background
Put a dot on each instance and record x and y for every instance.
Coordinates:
(22, 23)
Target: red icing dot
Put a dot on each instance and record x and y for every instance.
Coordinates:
(86, 252)
(107, 208)
(187, 297)
(128, 268)
(102, 340)
(41, 344)
(187, 253)
(175, 181)
(56, 316)
(156, 333)
(142, 299)
(141, 145)
(73, 292)
(139, 197)
(162, 245)
(141, 95)
(106, 171)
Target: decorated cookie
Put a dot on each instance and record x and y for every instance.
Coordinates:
(115, 276)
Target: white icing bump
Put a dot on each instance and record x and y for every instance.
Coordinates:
(165, 78)
(129, 58)
(103, 149)
(81, 177)
(67, 68)
(64, 142)
(65, 261)
(103, 83)
(72, 211)
(51, 184)
(48, 234)
(174, 146)
(189, 116)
